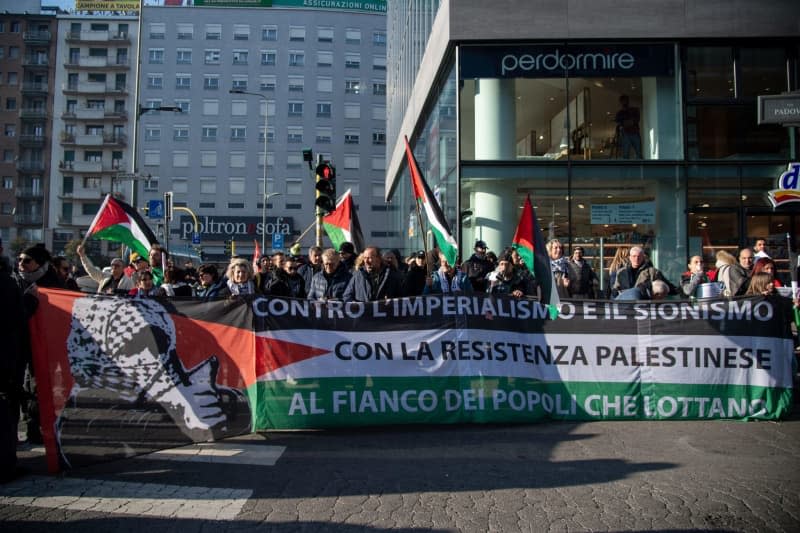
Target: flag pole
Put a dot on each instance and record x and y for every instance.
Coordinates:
(792, 264)
(419, 217)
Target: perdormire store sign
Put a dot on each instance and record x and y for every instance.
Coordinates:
(214, 227)
(557, 61)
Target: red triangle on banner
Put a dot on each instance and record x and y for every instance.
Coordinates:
(272, 354)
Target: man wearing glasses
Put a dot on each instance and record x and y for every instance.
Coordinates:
(117, 282)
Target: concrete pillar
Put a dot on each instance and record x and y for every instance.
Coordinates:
(495, 119)
(495, 215)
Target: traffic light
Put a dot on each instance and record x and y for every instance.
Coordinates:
(326, 188)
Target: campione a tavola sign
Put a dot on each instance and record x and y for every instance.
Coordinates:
(118, 375)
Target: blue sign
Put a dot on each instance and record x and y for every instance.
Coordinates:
(155, 208)
(277, 241)
(195, 238)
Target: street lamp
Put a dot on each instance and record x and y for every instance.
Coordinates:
(266, 196)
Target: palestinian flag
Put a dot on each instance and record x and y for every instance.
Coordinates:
(529, 244)
(119, 222)
(422, 193)
(342, 223)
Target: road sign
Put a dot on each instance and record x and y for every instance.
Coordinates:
(779, 109)
(277, 241)
(195, 238)
(155, 208)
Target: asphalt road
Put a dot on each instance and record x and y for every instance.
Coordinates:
(599, 476)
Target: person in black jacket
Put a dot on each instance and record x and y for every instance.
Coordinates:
(414, 283)
(373, 281)
(330, 283)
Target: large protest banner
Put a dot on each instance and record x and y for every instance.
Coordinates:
(121, 376)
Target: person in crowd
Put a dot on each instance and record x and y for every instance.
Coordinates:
(414, 282)
(767, 264)
(505, 281)
(158, 258)
(628, 134)
(117, 282)
(402, 267)
(13, 325)
(331, 282)
(347, 252)
(731, 274)
(492, 258)
(446, 279)
(760, 248)
(761, 283)
(296, 283)
(64, 271)
(373, 281)
(531, 287)
(209, 283)
(146, 287)
(582, 279)
(660, 290)
(34, 270)
(695, 275)
(174, 284)
(618, 261)
(634, 281)
(391, 261)
(311, 266)
(189, 272)
(559, 265)
(747, 259)
(277, 261)
(240, 280)
(477, 267)
(263, 273)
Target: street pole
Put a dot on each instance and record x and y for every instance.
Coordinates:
(266, 193)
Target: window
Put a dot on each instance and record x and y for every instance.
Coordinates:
(239, 108)
(154, 104)
(155, 81)
(379, 137)
(8, 182)
(324, 59)
(184, 105)
(296, 84)
(10, 130)
(237, 160)
(294, 160)
(180, 159)
(270, 134)
(213, 32)
(379, 38)
(352, 110)
(12, 78)
(323, 109)
(211, 56)
(295, 109)
(157, 30)
(208, 159)
(351, 136)
(352, 86)
(152, 158)
(267, 82)
(238, 133)
(211, 107)
(208, 186)
(180, 185)
(294, 134)
(294, 187)
(206, 205)
(240, 57)
(209, 133)
(155, 56)
(183, 81)
(352, 36)
(236, 186)
(183, 56)
(239, 83)
(210, 82)
(180, 133)
(268, 57)
(379, 63)
(324, 134)
(89, 208)
(378, 88)
(325, 35)
(297, 33)
(379, 112)
(152, 133)
(241, 32)
(185, 31)
(11, 103)
(325, 85)
(352, 161)
(378, 162)
(352, 60)
(297, 59)
(269, 33)
(8, 156)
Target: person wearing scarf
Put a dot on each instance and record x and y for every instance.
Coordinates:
(239, 278)
(447, 280)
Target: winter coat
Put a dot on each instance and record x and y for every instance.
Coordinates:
(324, 287)
(390, 285)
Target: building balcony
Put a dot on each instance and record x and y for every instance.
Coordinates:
(91, 167)
(89, 62)
(88, 87)
(33, 113)
(35, 61)
(30, 87)
(87, 139)
(89, 113)
(80, 193)
(32, 140)
(116, 115)
(97, 36)
(34, 37)
(29, 193)
(28, 219)
(30, 166)
(115, 139)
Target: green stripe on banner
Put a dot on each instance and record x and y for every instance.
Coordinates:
(333, 402)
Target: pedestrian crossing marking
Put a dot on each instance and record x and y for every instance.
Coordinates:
(222, 453)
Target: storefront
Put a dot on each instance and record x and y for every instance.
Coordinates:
(655, 144)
